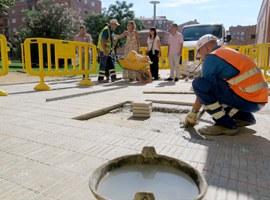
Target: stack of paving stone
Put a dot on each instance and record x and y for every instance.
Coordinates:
(142, 109)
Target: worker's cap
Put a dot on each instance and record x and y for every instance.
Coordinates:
(114, 21)
(82, 26)
(204, 40)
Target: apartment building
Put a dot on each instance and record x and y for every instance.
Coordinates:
(263, 23)
(243, 35)
(162, 23)
(11, 23)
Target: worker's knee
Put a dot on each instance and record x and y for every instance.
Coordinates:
(201, 85)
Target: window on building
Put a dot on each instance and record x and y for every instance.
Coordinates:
(13, 11)
(85, 1)
(22, 10)
(23, 19)
(149, 22)
(253, 36)
(243, 33)
(93, 4)
(14, 30)
(86, 11)
(13, 20)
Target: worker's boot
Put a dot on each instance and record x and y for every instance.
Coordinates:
(217, 130)
(224, 126)
(244, 119)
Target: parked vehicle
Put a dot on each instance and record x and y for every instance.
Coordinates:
(192, 33)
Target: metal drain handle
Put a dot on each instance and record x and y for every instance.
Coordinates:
(144, 196)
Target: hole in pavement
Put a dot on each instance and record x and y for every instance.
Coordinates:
(165, 118)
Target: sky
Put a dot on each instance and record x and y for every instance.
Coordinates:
(228, 12)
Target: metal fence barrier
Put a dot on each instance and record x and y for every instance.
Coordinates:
(4, 61)
(50, 57)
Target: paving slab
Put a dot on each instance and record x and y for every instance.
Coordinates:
(46, 154)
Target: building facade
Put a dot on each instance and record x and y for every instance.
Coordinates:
(11, 23)
(161, 23)
(243, 35)
(263, 23)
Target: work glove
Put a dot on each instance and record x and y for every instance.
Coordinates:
(191, 119)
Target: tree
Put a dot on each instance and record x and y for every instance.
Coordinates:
(51, 20)
(94, 24)
(120, 11)
(5, 4)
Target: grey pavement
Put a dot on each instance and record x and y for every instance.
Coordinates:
(46, 154)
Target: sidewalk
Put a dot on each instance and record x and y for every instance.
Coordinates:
(45, 154)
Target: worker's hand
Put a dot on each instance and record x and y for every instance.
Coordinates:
(191, 119)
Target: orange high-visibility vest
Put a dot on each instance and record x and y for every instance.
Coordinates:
(250, 83)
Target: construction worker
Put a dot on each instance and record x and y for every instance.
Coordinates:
(230, 89)
(105, 46)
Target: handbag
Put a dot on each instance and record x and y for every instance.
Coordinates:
(150, 51)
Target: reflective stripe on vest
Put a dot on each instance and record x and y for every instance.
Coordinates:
(107, 42)
(250, 83)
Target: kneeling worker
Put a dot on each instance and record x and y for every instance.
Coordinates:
(230, 89)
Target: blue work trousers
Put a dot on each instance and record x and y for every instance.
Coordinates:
(210, 91)
(106, 67)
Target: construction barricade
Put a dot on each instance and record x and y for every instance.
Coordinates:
(50, 57)
(259, 53)
(4, 61)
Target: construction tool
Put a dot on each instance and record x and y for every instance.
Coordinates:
(192, 73)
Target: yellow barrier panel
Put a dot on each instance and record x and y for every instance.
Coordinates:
(259, 53)
(50, 57)
(163, 57)
(4, 62)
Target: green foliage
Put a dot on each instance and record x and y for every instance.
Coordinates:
(94, 24)
(51, 20)
(5, 4)
(120, 11)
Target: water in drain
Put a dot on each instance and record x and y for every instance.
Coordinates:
(165, 182)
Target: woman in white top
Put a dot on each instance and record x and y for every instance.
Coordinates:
(154, 50)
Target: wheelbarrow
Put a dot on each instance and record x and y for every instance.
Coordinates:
(140, 65)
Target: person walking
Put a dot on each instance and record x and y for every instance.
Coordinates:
(132, 43)
(175, 45)
(231, 88)
(105, 46)
(154, 51)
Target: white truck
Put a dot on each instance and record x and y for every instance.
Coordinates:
(191, 34)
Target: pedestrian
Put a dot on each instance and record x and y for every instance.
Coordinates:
(82, 36)
(175, 45)
(105, 46)
(231, 88)
(154, 52)
(132, 43)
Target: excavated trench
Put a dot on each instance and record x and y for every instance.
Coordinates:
(165, 118)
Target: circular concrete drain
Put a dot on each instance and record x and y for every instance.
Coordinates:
(147, 176)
